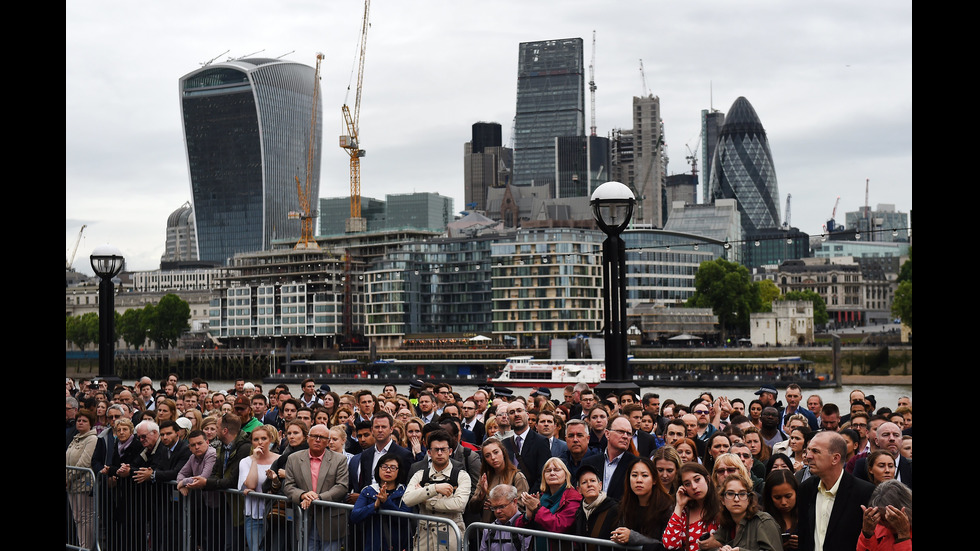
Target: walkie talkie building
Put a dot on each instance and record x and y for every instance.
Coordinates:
(246, 131)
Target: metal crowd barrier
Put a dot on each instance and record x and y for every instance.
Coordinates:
(555, 542)
(81, 502)
(121, 515)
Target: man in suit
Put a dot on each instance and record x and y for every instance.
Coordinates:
(830, 514)
(888, 437)
(546, 427)
(530, 449)
(381, 428)
(319, 474)
(644, 442)
(616, 462)
(155, 469)
(472, 423)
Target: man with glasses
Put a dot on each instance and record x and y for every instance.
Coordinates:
(588, 401)
(439, 489)
(756, 470)
(444, 397)
(503, 503)
(319, 475)
(616, 461)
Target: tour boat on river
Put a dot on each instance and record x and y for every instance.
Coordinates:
(525, 371)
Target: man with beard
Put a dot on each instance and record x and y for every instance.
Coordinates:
(770, 430)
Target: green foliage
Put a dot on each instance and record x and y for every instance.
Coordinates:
(905, 274)
(902, 305)
(167, 320)
(820, 316)
(131, 328)
(768, 292)
(82, 330)
(727, 289)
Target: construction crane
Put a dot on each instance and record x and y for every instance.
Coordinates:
(71, 257)
(643, 75)
(832, 223)
(351, 140)
(306, 214)
(693, 156)
(592, 82)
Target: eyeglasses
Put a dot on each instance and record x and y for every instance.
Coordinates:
(318, 437)
(701, 411)
(723, 470)
(142, 436)
(734, 495)
(439, 450)
(623, 432)
(496, 508)
(389, 468)
(554, 470)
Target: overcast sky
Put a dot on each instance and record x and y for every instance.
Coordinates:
(831, 82)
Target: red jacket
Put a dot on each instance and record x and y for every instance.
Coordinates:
(558, 522)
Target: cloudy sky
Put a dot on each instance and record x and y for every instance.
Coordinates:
(831, 82)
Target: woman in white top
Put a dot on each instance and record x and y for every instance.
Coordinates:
(251, 476)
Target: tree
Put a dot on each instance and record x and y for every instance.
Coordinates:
(82, 330)
(727, 289)
(167, 320)
(902, 305)
(820, 316)
(131, 328)
(768, 292)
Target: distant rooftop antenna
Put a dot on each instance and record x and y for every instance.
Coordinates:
(210, 61)
(247, 55)
(285, 54)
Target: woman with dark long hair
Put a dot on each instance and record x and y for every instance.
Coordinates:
(696, 510)
(718, 443)
(743, 525)
(779, 500)
(645, 508)
(497, 469)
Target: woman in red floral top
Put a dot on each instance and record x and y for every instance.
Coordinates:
(696, 512)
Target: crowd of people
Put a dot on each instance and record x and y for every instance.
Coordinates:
(716, 473)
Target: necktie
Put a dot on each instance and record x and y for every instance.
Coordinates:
(517, 441)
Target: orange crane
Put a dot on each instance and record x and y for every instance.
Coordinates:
(351, 141)
(307, 214)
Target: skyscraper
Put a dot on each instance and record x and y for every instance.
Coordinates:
(486, 164)
(246, 129)
(648, 160)
(550, 103)
(742, 168)
(711, 123)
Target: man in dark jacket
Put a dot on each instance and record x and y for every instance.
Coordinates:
(234, 447)
(154, 470)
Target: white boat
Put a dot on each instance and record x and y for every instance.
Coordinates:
(559, 371)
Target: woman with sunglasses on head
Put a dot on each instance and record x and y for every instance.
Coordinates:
(743, 526)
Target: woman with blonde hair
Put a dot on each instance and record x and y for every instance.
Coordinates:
(252, 472)
(554, 508)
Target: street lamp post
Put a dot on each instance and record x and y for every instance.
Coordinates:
(612, 205)
(107, 261)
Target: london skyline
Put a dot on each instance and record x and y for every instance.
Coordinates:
(831, 84)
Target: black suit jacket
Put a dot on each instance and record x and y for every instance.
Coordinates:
(617, 484)
(846, 518)
(366, 459)
(535, 452)
(479, 432)
(904, 470)
(646, 444)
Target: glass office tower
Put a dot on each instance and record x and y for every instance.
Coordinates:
(246, 129)
(550, 103)
(742, 168)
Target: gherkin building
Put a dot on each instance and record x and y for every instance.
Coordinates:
(742, 168)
